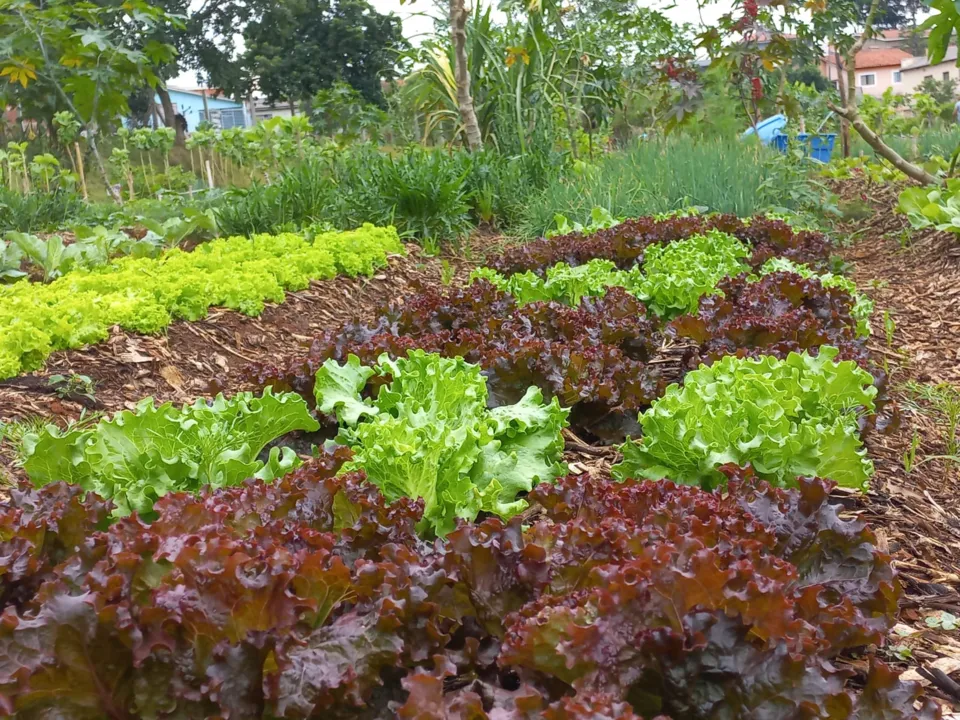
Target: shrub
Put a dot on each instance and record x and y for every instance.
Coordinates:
(39, 211)
(421, 192)
(302, 195)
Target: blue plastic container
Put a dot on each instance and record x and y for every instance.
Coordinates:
(767, 129)
(819, 147)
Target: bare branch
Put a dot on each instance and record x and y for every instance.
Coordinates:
(882, 149)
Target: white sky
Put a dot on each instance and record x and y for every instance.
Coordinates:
(417, 24)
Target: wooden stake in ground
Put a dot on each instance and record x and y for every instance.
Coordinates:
(209, 175)
(83, 179)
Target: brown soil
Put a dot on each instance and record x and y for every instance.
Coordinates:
(913, 276)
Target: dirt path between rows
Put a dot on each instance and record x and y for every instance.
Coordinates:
(916, 286)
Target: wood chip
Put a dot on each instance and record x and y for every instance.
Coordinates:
(134, 357)
(172, 376)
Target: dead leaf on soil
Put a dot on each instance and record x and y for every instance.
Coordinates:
(172, 376)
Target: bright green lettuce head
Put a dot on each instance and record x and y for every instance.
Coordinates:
(138, 456)
(786, 418)
(677, 274)
(563, 283)
(428, 434)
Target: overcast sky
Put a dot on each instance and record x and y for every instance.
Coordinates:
(417, 24)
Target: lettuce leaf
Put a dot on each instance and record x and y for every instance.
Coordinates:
(672, 279)
(787, 418)
(863, 306)
(677, 274)
(562, 282)
(138, 456)
(430, 435)
(145, 294)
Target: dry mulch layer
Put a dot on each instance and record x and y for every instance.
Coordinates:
(914, 278)
(916, 286)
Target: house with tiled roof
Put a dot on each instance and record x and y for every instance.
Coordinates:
(913, 41)
(914, 70)
(875, 70)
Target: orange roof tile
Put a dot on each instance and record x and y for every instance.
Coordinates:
(880, 58)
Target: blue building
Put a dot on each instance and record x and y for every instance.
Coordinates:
(224, 113)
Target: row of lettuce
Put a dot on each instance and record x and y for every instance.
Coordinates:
(145, 294)
(434, 559)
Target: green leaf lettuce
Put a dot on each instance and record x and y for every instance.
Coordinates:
(787, 418)
(430, 435)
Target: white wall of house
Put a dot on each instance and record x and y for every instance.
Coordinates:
(875, 81)
(265, 112)
(912, 77)
(872, 81)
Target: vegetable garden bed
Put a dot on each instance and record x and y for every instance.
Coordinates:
(333, 593)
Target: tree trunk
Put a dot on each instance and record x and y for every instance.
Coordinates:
(842, 89)
(169, 116)
(458, 29)
(92, 142)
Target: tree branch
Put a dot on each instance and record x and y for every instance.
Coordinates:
(915, 172)
(857, 47)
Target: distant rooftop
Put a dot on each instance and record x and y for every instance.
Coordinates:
(891, 57)
(919, 62)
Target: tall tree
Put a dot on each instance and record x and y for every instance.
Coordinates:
(87, 57)
(838, 24)
(296, 47)
(890, 13)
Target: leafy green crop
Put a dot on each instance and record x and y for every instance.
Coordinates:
(787, 418)
(672, 280)
(11, 257)
(563, 283)
(677, 274)
(600, 219)
(136, 457)
(863, 306)
(145, 294)
(428, 434)
(937, 207)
